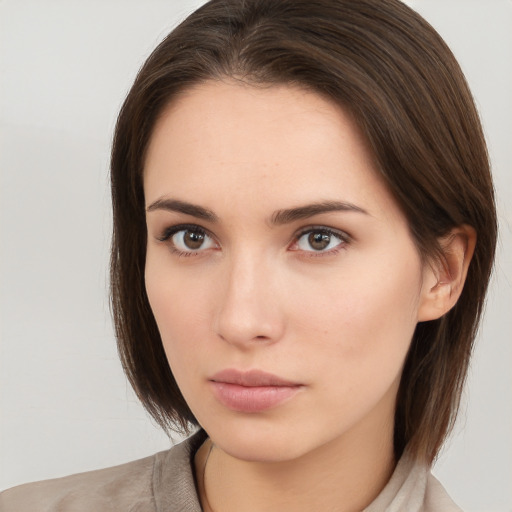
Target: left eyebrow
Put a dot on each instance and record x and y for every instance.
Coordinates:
(174, 205)
(303, 212)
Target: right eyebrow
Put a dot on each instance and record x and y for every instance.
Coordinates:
(173, 205)
(310, 210)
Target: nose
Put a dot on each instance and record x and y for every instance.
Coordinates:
(249, 310)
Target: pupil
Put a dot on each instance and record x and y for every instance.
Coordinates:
(319, 241)
(193, 239)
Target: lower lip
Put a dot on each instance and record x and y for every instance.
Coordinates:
(252, 398)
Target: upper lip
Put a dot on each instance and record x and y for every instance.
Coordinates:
(251, 378)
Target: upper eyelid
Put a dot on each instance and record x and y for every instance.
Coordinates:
(169, 231)
(334, 231)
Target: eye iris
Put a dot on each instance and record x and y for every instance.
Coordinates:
(193, 239)
(319, 241)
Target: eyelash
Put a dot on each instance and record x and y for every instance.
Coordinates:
(344, 238)
(171, 231)
(341, 235)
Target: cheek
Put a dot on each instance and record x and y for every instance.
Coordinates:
(356, 338)
(363, 317)
(180, 308)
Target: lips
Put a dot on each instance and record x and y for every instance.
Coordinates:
(252, 391)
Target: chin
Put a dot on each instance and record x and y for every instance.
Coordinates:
(258, 451)
(261, 441)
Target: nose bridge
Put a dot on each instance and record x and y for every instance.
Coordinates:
(248, 308)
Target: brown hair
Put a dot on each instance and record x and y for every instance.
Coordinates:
(387, 66)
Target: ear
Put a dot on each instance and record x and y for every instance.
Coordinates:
(443, 278)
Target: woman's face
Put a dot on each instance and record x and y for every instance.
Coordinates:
(281, 273)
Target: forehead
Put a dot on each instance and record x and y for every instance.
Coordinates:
(276, 143)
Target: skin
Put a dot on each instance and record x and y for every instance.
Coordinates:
(254, 294)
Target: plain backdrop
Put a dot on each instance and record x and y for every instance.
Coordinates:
(65, 67)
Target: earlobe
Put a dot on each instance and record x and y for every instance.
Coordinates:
(444, 278)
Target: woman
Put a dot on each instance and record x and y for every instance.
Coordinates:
(304, 229)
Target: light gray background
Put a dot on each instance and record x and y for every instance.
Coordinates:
(65, 67)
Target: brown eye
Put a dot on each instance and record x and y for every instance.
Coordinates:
(319, 241)
(193, 239)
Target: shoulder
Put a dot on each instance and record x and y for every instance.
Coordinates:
(164, 481)
(413, 488)
(127, 487)
(436, 497)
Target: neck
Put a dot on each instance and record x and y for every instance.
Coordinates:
(345, 475)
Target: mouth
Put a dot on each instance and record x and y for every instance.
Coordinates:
(253, 391)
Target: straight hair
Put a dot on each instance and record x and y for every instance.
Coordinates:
(383, 63)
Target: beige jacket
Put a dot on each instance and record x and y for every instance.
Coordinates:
(165, 483)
